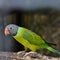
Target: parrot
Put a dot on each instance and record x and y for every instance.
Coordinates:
(29, 39)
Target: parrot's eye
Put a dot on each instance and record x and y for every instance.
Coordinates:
(10, 27)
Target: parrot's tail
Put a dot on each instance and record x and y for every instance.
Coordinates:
(53, 50)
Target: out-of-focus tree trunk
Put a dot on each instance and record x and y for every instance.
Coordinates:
(6, 43)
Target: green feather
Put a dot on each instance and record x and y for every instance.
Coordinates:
(32, 41)
(32, 37)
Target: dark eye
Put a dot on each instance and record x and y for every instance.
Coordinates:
(10, 27)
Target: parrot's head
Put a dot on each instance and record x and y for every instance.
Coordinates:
(11, 29)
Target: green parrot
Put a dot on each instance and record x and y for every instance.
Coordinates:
(28, 39)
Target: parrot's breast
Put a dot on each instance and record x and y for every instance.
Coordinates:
(25, 43)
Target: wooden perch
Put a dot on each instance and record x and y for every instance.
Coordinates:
(22, 56)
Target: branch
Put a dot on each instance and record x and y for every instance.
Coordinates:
(23, 56)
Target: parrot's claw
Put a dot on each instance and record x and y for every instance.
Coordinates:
(32, 54)
(21, 53)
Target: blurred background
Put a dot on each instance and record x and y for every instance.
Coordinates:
(40, 16)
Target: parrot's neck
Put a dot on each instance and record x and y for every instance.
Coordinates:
(19, 32)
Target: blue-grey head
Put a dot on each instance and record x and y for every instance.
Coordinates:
(11, 29)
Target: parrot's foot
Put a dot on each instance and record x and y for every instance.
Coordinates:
(21, 53)
(33, 55)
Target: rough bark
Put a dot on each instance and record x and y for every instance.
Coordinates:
(15, 56)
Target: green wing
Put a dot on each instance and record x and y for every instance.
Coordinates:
(32, 37)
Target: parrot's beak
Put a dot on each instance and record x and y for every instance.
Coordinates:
(6, 32)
